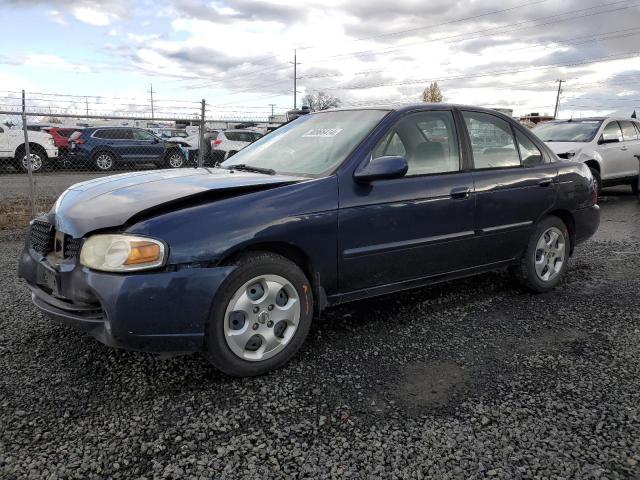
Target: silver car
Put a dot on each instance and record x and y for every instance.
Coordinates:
(607, 145)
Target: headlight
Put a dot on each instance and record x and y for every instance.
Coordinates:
(122, 253)
(51, 142)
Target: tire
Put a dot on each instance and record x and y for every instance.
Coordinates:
(39, 159)
(634, 187)
(174, 159)
(239, 308)
(532, 277)
(104, 162)
(598, 180)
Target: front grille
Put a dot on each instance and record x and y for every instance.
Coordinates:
(71, 247)
(43, 240)
(41, 237)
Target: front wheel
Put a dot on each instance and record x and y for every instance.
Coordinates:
(175, 159)
(38, 159)
(261, 316)
(597, 180)
(545, 260)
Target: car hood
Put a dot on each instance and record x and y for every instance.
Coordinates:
(116, 200)
(563, 147)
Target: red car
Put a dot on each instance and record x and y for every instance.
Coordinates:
(61, 136)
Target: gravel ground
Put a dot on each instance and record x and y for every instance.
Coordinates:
(470, 379)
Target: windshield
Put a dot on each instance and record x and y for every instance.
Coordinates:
(312, 145)
(569, 131)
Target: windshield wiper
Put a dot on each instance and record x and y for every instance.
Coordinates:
(251, 168)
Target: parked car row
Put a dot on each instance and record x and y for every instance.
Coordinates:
(108, 148)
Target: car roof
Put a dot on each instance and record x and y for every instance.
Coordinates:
(409, 107)
(239, 130)
(591, 119)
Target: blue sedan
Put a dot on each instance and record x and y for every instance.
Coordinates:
(336, 206)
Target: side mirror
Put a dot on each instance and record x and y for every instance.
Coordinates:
(381, 168)
(602, 140)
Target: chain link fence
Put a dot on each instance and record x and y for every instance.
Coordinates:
(66, 147)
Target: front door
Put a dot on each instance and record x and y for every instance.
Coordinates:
(613, 151)
(515, 185)
(412, 227)
(145, 146)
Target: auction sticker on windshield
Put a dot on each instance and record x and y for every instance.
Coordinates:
(323, 132)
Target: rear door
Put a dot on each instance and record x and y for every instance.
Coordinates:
(515, 184)
(412, 227)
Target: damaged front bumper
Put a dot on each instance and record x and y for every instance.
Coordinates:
(157, 311)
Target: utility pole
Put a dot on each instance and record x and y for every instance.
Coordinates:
(295, 78)
(555, 112)
(86, 100)
(151, 92)
(272, 105)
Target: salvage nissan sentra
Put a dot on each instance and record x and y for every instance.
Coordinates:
(336, 206)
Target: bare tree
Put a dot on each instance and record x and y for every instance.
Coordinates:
(320, 101)
(432, 94)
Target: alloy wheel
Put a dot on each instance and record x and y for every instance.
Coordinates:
(176, 160)
(104, 161)
(262, 317)
(550, 253)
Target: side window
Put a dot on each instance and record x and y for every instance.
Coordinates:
(428, 141)
(628, 131)
(492, 141)
(142, 135)
(612, 132)
(100, 134)
(530, 155)
(391, 145)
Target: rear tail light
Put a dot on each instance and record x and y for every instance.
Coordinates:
(216, 142)
(78, 140)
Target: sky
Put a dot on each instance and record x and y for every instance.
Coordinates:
(74, 56)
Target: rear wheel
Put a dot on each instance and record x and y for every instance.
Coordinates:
(634, 186)
(545, 260)
(104, 161)
(261, 316)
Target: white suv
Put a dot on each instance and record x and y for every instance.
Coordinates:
(230, 142)
(42, 148)
(607, 145)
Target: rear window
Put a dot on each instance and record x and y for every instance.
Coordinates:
(628, 131)
(242, 136)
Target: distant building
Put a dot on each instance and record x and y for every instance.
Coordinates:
(535, 118)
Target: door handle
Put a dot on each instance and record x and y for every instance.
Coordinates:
(546, 182)
(460, 192)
